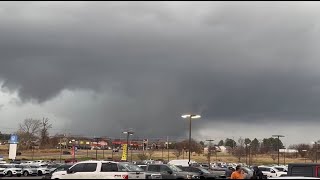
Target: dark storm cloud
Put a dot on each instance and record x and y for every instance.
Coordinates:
(230, 61)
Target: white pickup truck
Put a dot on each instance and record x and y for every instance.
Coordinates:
(101, 170)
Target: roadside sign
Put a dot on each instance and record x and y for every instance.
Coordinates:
(13, 139)
(12, 151)
(124, 152)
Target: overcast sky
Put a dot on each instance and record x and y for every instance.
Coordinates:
(251, 69)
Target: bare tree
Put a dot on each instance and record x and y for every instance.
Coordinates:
(273, 157)
(239, 152)
(28, 132)
(142, 156)
(44, 134)
(177, 153)
(151, 152)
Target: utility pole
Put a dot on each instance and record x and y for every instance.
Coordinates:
(168, 148)
(96, 148)
(316, 144)
(60, 151)
(278, 146)
(246, 153)
(284, 157)
(112, 149)
(209, 152)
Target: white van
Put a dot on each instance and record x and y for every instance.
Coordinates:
(101, 170)
(182, 162)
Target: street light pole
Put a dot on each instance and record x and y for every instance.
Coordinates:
(284, 156)
(190, 116)
(249, 155)
(246, 154)
(60, 151)
(209, 151)
(32, 151)
(316, 144)
(305, 157)
(96, 148)
(278, 146)
(168, 148)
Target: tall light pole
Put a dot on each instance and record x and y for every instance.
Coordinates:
(60, 150)
(305, 157)
(190, 116)
(209, 151)
(249, 154)
(74, 150)
(96, 139)
(168, 148)
(278, 146)
(128, 133)
(316, 147)
(284, 156)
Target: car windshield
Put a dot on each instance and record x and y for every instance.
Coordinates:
(18, 166)
(130, 167)
(174, 168)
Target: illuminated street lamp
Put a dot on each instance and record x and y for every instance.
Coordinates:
(190, 116)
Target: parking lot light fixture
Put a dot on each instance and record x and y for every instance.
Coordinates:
(190, 117)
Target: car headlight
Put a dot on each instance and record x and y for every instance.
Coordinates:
(189, 176)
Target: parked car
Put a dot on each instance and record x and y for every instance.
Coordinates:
(28, 170)
(271, 172)
(70, 161)
(42, 170)
(281, 168)
(150, 175)
(306, 170)
(61, 168)
(53, 167)
(10, 170)
(169, 171)
(248, 172)
(39, 162)
(2, 168)
(202, 173)
(182, 162)
(101, 170)
(143, 166)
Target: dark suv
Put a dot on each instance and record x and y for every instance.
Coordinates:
(171, 172)
(203, 173)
